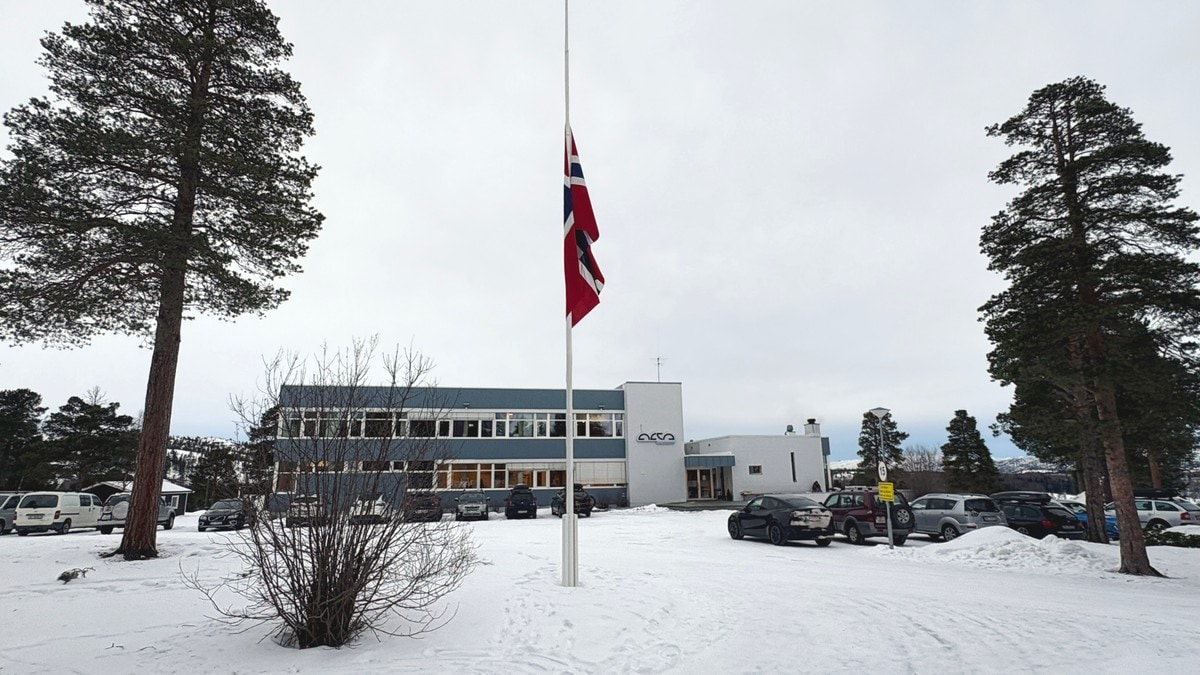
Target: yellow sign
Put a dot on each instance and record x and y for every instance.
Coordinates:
(887, 492)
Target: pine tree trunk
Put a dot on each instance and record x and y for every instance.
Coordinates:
(1134, 558)
(1155, 469)
(141, 525)
(1092, 472)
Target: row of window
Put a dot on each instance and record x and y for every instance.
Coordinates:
(424, 475)
(390, 424)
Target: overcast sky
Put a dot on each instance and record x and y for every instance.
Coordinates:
(789, 196)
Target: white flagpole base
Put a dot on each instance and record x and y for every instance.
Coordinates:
(570, 549)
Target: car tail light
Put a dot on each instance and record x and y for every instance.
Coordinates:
(57, 515)
(1046, 523)
(1185, 516)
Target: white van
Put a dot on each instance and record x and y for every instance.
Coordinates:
(58, 511)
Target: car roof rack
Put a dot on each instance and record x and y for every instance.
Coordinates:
(1022, 497)
(1155, 493)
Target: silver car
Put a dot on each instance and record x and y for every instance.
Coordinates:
(1159, 514)
(8, 510)
(946, 515)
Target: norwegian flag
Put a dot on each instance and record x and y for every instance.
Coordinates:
(584, 280)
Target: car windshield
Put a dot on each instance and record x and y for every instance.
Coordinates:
(116, 499)
(472, 497)
(39, 502)
(1059, 511)
(230, 504)
(982, 505)
(800, 502)
(1194, 508)
(1075, 506)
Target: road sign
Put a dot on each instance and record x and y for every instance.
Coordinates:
(887, 492)
(882, 471)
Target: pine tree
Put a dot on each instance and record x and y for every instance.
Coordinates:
(1092, 247)
(966, 460)
(90, 441)
(24, 464)
(215, 475)
(164, 172)
(872, 453)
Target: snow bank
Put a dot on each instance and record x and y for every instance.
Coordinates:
(1005, 548)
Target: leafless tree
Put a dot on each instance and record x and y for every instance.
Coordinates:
(346, 569)
(923, 469)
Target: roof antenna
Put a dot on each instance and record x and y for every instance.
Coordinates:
(658, 366)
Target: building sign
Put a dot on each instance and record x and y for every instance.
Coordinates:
(658, 437)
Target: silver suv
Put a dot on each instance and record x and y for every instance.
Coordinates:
(116, 509)
(946, 516)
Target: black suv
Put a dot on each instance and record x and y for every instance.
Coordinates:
(584, 503)
(1037, 515)
(521, 503)
(421, 507)
(859, 514)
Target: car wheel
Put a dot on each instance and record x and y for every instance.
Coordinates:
(3, 528)
(775, 534)
(66, 527)
(824, 541)
(735, 529)
(200, 528)
(22, 533)
(902, 516)
(899, 539)
(1023, 530)
(170, 522)
(853, 533)
(1156, 526)
(485, 515)
(949, 533)
(105, 530)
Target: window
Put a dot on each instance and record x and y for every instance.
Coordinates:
(755, 469)
(373, 466)
(422, 428)
(378, 425)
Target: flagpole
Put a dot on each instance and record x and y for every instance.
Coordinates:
(570, 530)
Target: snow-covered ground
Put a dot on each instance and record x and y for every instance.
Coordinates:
(661, 592)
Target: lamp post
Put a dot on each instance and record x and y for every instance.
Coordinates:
(880, 413)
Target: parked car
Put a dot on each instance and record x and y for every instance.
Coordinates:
(227, 514)
(1037, 515)
(948, 515)
(860, 514)
(1080, 511)
(57, 511)
(116, 510)
(782, 518)
(521, 503)
(8, 510)
(371, 509)
(305, 511)
(471, 506)
(422, 507)
(584, 502)
(1158, 514)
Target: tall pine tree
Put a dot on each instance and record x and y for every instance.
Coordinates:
(890, 453)
(163, 173)
(24, 464)
(90, 441)
(1092, 246)
(966, 461)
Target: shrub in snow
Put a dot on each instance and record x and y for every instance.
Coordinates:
(343, 560)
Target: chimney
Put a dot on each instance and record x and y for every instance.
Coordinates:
(790, 431)
(811, 428)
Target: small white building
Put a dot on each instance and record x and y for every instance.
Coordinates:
(737, 467)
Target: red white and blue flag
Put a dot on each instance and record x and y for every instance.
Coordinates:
(584, 280)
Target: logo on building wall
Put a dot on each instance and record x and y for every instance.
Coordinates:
(659, 437)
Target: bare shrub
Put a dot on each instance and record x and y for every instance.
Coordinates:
(337, 567)
(922, 467)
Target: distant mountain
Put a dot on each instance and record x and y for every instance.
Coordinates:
(1004, 464)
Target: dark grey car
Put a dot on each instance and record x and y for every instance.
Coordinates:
(948, 515)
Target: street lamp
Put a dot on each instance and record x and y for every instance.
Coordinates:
(880, 413)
